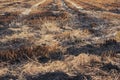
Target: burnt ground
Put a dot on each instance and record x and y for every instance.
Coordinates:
(59, 40)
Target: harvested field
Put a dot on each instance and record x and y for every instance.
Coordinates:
(59, 40)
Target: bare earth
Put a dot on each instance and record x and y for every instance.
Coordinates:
(59, 40)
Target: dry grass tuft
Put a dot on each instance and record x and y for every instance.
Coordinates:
(28, 52)
(117, 37)
(38, 18)
(86, 59)
(50, 26)
(3, 71)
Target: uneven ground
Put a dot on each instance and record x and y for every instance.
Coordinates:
(59, 40)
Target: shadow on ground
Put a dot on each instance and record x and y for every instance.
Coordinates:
(8, 77)
(4, 31)
(50, 76)
(109, 67)
(59, 76)
(109, 47)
